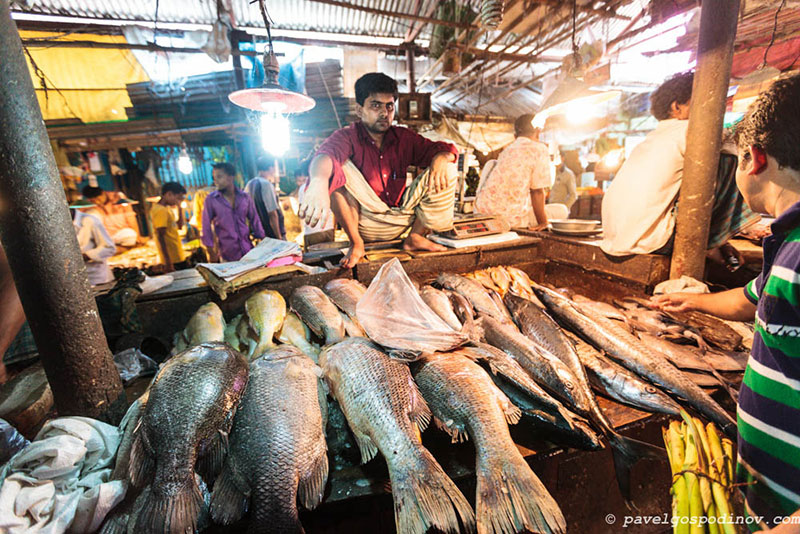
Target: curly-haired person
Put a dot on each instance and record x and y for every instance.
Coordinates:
(640, 206)
(768, 176)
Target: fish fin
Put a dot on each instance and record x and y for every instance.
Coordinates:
(210, 463)
(312, 485)
(165, 514)
(626, 452)
(141, 467)
(513, 413)
(419, 412)
(456, 433)
(425, 497)
(366, 446)
(230, 497)
(510, 498)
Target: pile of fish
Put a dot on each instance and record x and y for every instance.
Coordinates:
(234, 424)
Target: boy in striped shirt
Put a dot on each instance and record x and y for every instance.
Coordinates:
(769, 400)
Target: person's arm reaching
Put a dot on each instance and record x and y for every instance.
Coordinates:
(537, 202)
(161, 234)
(325, 176)
(255, 221)
(274, 223)
(732, 305)
(572, 190)
(207, 235)
(104, 246)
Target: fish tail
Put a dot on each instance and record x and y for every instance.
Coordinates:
(170, 514)
(626, 452)
(511, 498)
(141, 466)
(425, 497)
(228, 502)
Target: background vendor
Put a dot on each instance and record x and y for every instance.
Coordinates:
(165, 225)
(639, 208)
(360, 173)
(118, 219)
(515, 187)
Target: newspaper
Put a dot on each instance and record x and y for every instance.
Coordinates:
(267, 251)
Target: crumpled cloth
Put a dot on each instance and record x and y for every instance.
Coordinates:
(684, 284)
(60, 482)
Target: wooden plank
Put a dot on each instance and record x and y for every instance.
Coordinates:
(643, 269)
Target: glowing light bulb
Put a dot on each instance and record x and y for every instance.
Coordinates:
(185, 162)
(275, 133)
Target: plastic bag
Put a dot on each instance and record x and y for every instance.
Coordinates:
(395, 316)
(132, 363)
(11, 441)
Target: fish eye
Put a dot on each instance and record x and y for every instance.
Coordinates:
(650, 389)
(569, 385)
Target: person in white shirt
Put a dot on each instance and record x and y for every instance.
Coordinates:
(639, 208)
(262, 190)
(96, 246)
(564, 190)
(515, 188)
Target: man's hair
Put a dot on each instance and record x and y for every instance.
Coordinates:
(524, 125)
(226, 167)
(173, 187)
(91, 191)
(772, 123)
(264, 164)
(374, 83)
(676, 89)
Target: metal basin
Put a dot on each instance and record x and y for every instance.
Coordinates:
(574, 225)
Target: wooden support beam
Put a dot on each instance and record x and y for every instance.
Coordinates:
(704, 136)
(394, 14)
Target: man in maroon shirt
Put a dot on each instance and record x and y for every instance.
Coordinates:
(360, 173)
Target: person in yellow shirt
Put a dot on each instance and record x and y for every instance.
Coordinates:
(170, 250)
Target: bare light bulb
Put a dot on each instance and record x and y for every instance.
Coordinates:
(275, 133)
(185, 162)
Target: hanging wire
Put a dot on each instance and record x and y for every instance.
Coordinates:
(268, 22)
(774, 32)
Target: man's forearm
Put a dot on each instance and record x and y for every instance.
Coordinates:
(731, 305)
(537, 202)
(321, 168)
(274, 224)
(162, 243)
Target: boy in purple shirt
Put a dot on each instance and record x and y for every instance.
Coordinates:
(229, 217)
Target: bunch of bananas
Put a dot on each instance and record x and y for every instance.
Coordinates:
(702, 474)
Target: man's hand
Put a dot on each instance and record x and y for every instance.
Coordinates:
(438, 177)
(674, 302)
(316, 204)
(213, 255)
(538, 227)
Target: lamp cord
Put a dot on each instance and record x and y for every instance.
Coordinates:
(774, 31)
(265, 15)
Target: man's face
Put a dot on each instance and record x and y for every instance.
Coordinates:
(99, 200)
(377, 113)
(681, 111)
(173, 199)
(300, 180)
(222, 180)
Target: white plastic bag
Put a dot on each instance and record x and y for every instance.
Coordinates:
(395, 316)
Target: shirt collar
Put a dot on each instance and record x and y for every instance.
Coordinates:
(787, 220)
(388, 138)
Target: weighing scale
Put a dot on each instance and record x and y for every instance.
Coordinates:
(471, 226)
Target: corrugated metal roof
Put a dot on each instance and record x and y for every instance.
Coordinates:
(286, 14)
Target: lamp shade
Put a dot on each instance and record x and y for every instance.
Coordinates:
(274, 99)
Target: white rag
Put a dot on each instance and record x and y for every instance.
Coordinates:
(684, 284)
(60, 482)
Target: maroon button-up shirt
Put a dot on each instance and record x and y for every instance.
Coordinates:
(384, 168)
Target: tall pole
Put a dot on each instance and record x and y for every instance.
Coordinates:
(704, 137)
(42, 249)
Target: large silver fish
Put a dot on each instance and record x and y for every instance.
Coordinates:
(318, 312)
(622, 385)
(277, 453)
(345, 293)
(610, 337)
(548, 336)
(386, 412)
(205, 326)
(510, 498)
(189, 411)
(550, 372)
(474, 292)
(439, 302)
